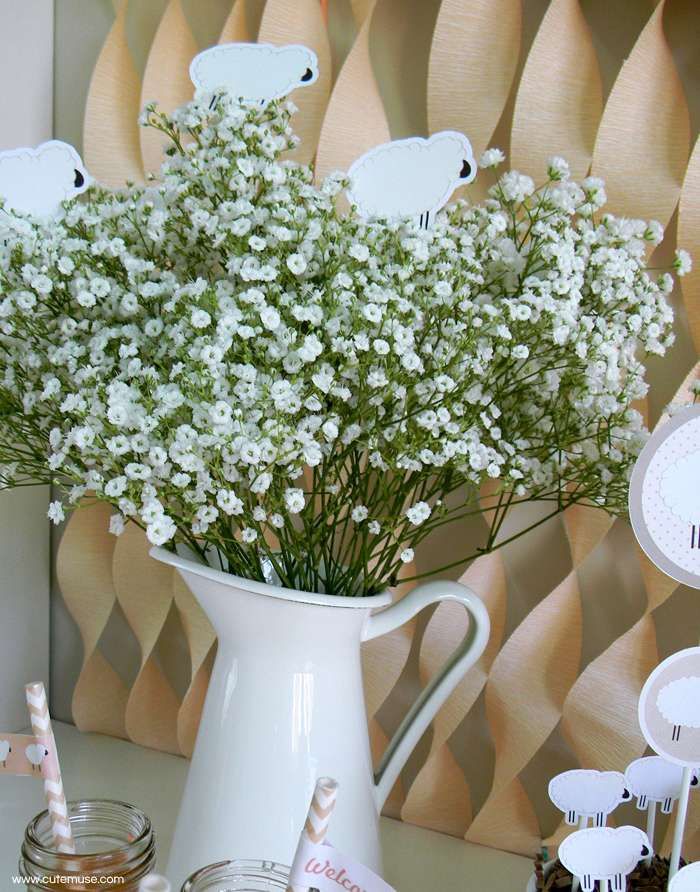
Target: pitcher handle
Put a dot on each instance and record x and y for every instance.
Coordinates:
(431, 698)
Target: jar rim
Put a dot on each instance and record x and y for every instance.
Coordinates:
(32, 835)
(237, 865)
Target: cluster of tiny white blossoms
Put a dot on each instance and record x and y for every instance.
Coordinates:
(233, 364)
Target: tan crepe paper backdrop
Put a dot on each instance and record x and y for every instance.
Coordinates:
(579, 616)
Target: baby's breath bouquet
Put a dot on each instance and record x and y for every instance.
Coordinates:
(299, 394)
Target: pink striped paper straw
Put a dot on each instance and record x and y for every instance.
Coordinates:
(319, 817)
(50, 768)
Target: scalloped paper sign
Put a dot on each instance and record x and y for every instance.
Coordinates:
(584, 793)
(35, 181)
(604, 854)
(669, 708)
(254, 72)
(663, 498)
(687, 879)
(411, 178)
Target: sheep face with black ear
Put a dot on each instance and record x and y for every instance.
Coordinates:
(35, 181)
(411, 177)
(254, 72)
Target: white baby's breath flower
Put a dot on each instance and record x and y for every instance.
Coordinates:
(296, 263)
(116, 524)
(294, 500)
(161, 530)
(682, 262)
(558, 169)
(56, 513)
(491, 158)
(194, 349)
(418, 513)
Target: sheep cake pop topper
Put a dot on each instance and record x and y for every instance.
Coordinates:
(653, 780)
(254, 72)
(412, 177)
(584, 794)
(669, 716)
(663, 503)
(669, 708)
(35, 181)
(604, 854)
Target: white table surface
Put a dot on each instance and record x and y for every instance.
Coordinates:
(94, 766)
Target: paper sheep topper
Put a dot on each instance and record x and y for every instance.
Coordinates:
(606, 854)
(583, 794)
(669, 708)
(35, 181)
(411, 178)
(662, 497)
(687, 879)
(254, 72)
(653, 780)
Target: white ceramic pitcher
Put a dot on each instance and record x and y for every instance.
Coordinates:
(286, 705)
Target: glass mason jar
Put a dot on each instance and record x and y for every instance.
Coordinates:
(115, 848)
(239, 876)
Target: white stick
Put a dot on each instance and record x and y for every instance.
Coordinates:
(154, 882)
(582, 824)
(651, 824)
(679, 828)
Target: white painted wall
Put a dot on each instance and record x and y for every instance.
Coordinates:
(26, 118)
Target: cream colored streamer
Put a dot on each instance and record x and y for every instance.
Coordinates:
(525, 693)
(200, 639)
(237, 28)
(473, 60)
(439, 797)
(84, 571)
(561, 66)
(166, 79)
(644, 137)
(110, 133)
(301, 21)
(355, 119)
(689, 238)
(145, 592)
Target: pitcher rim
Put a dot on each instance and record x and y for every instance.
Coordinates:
(353, 602)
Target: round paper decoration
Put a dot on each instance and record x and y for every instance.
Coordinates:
(664, 497)
(669, 708)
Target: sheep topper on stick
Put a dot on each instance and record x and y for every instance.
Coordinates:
(254, 72)
(411, 177)
(584, 794)
(35, 181)
(604, 854)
